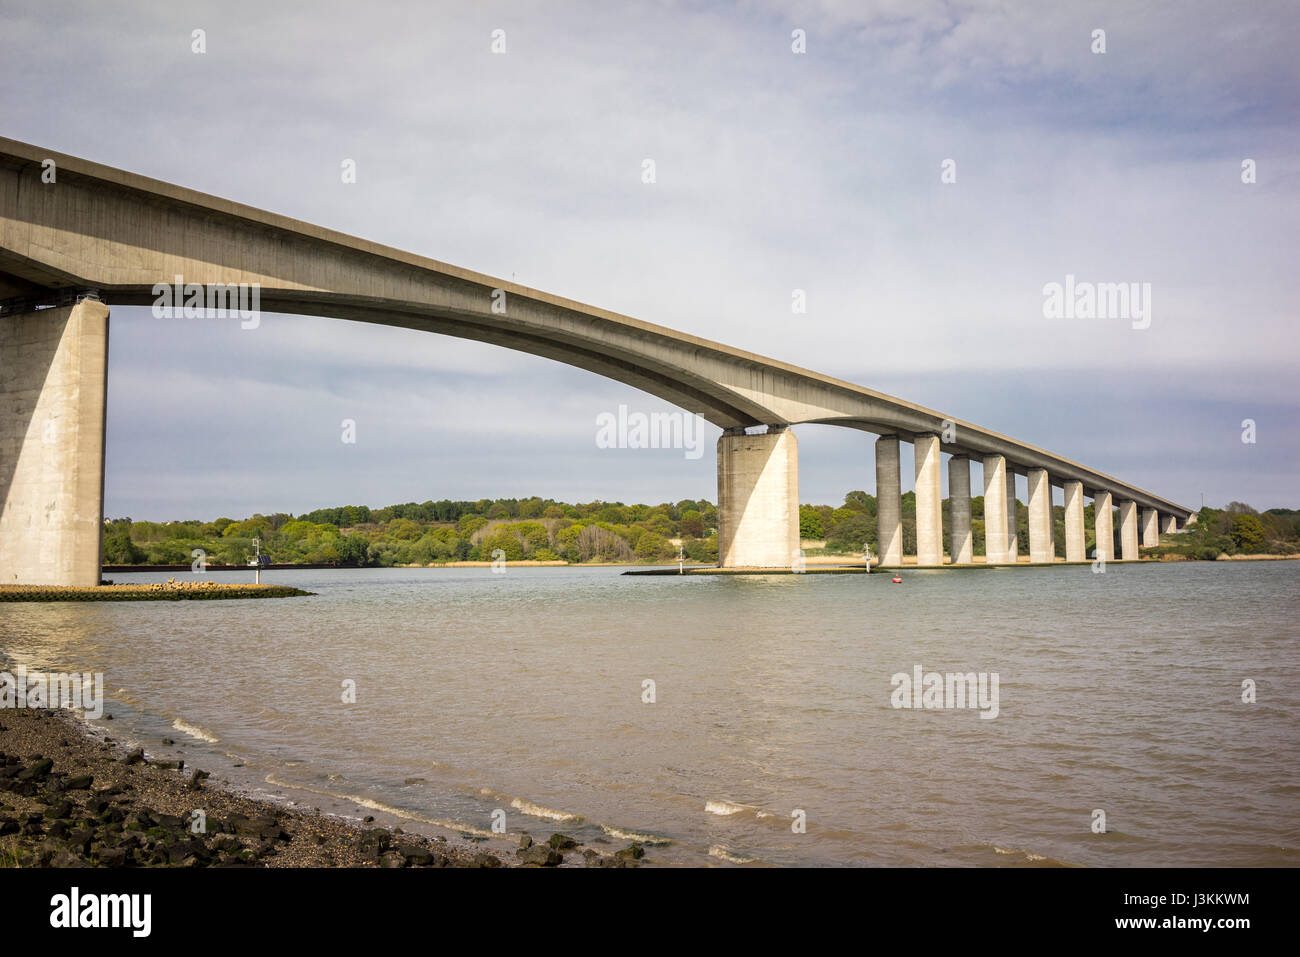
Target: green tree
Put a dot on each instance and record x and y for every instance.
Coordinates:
(119, 549)
(1247, 532)
(354, 550)
(403, 529)
(851, 535)
(652, 546)
(810, 523)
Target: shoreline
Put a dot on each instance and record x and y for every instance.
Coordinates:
(72, 796)
(838, 560)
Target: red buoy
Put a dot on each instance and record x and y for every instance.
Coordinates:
(897, 580)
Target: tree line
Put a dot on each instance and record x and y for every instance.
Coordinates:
(541, 529)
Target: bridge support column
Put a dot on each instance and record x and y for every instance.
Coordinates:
(995, 509)
(1013, 523)
(1128, 530)
(758, 499)
(929, 500)
(959, 509)
(889, 501)
(1075, 547)
(1103, 520)
(1040, 516)
(53, 396)
(1168, 524)
(1150, 529)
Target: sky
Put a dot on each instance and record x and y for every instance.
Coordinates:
(775, 170)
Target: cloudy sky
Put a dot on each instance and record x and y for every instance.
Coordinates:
(775, 171)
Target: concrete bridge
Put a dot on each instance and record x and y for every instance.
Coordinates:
(89, 236)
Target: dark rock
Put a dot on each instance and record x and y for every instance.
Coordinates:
(59, 811)
(525, 843)
(633, 852)
(134, 757)
(540, 854)
(81, 782)
(80, 840)
(113, 856)
(375, 837)
(36, 771)
(263, 826)
(484, 859)
(415, 856)
(562, 843)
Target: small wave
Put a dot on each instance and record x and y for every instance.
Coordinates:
(537, 810)
(723, 854)
(196, 733)
(371, 804)
(528, 807)
(1028, 855)
(727, 808)
(622, 834)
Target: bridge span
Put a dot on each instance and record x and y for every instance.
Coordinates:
(77, 237)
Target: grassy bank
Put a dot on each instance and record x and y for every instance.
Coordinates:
(170, 590)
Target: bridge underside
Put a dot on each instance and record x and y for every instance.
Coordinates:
(121, 236)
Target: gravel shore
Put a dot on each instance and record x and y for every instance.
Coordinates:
(70, 800)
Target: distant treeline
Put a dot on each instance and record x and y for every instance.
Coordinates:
(546, 530)
(535, 529)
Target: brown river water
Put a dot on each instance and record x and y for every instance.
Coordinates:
(772, 737)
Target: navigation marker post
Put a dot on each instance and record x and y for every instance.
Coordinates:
(258, 560)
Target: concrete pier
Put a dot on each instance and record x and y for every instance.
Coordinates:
(1168, 523)
(1075, 542)
(1128, 530)
(889, 501)
(53, 398)
(758, 499)
(962, 547)
(929, 500)
(1150, 528)
(1040, 516)
(1013, 539)
(995, 508)
(1103, 520)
